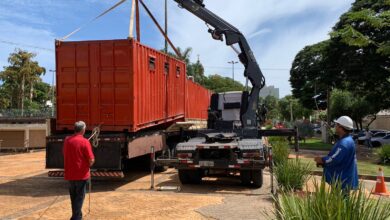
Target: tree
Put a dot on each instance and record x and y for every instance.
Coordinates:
(345, 103)
(19, 79)
(288, 105)
(214, 82)
(313, 72)
(355, 58)
(197, 71)
(361, 42)
(183, 55)
(218, 83)
(272, 105)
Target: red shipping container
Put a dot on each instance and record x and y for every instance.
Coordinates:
(121, 84)
(197, 101)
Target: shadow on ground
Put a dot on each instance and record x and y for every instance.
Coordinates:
(42, 186)
(216, 184)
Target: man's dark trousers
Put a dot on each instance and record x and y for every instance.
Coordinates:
(77, 190)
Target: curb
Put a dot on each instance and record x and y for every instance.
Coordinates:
(361, 177)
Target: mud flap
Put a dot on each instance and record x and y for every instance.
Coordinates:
(107, 155)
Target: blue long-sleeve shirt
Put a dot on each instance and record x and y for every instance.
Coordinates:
(341, 163)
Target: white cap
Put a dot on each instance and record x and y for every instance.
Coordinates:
(345, 121)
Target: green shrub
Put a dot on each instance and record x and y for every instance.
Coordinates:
(384, 153)
(292, 175)
(331, 203)
(280, 150)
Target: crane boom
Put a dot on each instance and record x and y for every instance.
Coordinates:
(233, 36)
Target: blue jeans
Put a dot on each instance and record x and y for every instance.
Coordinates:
(77, 189)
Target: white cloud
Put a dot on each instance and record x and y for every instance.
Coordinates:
(274, 37)
(260, 32)
(274, 49)
(27, 35)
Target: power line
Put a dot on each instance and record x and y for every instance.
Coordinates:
(268, 69)
(26, 45)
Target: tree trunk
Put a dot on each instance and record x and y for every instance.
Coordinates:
(31, 91)
(372, 120)
(357, 124)
(22, 95)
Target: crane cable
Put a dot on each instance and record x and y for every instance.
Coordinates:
(92, 20)
(95, 136)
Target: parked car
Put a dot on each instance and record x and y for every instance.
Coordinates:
(358, 134)
(317, 129)
(374, 131)
(380, 141)
(374, 134)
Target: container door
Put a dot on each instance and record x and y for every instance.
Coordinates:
(73, 85)
(114, 104)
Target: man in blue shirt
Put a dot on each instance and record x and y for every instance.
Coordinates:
(340, 164)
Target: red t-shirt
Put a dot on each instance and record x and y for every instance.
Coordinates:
(77, 153)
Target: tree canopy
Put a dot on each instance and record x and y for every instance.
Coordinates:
(356, 59)
(22, 87)
(212, 82)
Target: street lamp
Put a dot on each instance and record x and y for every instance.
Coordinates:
(233, 62)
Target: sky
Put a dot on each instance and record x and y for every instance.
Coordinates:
(275, 29)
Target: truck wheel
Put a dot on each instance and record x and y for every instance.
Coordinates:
(184, 177)
(190, 176)
(257, 178)
(196, 176)
(159, 169)
(245, 176)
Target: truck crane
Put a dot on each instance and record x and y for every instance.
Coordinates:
(219, 29)
(232, 141)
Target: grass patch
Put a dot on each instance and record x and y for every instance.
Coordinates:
(384, 153)
(315, 144)
(364, 168)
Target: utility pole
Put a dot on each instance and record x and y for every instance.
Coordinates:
(291, 112)
(52, 92)
(233, 62)
(166, 26)
(328, 112)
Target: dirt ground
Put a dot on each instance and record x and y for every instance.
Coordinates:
(27, 193)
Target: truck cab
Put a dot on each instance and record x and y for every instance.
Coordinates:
(221, 148)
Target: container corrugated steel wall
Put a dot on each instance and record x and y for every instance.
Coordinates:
(120, 84)
(197, 102)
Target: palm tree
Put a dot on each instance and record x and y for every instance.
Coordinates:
(185, 54)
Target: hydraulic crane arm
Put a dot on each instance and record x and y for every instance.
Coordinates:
(233, 36)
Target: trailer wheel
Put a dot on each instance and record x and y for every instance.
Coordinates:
(160, 169)
(257, 178)
(245, 176)
(183, 177)
(190, 176)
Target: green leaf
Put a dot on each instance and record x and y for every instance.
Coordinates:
(351, 37)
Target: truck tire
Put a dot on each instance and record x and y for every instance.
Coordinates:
(160, 169)
(196, 176)
(183, 177)
(245, 176)
(190, 176)
(257, 178)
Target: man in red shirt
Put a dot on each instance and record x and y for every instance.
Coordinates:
(78, 158)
